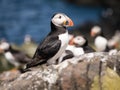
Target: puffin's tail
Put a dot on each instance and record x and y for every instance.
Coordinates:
(35, 62)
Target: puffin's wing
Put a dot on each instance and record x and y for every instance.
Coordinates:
(69, 55)
(46, 50)
(88, 49)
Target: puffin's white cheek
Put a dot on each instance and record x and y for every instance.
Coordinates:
(80, 43)
(57, 22)
(77, 41)
(4, 46)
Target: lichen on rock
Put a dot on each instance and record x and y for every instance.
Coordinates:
(85, 72)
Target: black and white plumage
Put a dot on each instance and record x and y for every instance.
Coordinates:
(15, 57)
(79, 46)
(100, 41)
(113, 46)
(55, 43)
(81, 41)
(114, 42)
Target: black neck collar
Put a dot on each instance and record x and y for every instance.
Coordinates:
(9, 50)
(55, 28)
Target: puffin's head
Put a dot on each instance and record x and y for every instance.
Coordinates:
(4, 46)
(61, 20)
(79, 40)
(96, 30)
(113, 44)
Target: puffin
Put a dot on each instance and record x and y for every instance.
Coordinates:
(55, 43)
(114, 42)
(81, 41)
(113, 45)
(77, 46)
(100, 41)
(15, 57)
(29, 46)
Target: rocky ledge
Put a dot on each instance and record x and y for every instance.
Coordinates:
(92, 71)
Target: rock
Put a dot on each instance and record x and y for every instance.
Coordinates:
(92, 71)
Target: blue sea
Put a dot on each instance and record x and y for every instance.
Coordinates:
(21, 17)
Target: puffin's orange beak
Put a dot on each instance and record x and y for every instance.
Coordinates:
(69, 22)
(92, 34)
(71, 42)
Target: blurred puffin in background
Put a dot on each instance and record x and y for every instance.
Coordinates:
(15, 57)
(113, 44)
(81, 41)
(51, 48)
(100, 41)
(77, 46)
(29, 46)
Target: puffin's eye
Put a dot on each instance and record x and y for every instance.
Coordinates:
(59, 17)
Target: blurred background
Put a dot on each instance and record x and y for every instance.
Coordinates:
(32, 17)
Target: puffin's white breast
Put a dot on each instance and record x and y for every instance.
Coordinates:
(64, 42)
(64, 39)
(78, 51)
(11, 58)
(100, 43)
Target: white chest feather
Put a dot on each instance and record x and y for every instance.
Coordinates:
(64, 39)
(64, 42)
(70, 47)
(11, 58)
(78, 51)
(100, 43)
